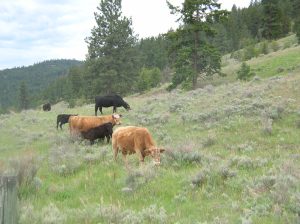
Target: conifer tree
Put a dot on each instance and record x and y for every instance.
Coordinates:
(275, 23)
(194, 55)
(111, 58)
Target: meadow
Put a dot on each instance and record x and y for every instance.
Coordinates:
(232, 155)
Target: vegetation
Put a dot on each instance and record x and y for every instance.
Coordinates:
(192, 52)
(36, 78)
(232, 148)
(245, 72)
(228, 159)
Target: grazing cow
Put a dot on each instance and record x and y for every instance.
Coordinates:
(110, 101)
(101, 131)
(137, 140)
(79, 124)
(63, 119)
(47, 107)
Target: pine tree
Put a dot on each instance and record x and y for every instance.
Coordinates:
(275, 23)
(23, 96)
(194, 55)
(111, 59)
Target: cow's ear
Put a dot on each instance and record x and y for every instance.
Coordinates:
(120, 115)
(162, 150)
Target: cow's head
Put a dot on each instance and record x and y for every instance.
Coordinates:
(155, 154)
(126, 106)
(116, 119)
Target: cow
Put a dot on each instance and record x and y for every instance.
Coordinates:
(99, 132)
(132, 139)
(47, 107)
(63, 119)
(79, 124)
(110, 101)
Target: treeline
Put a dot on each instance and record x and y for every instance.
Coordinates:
(262, 20)
(119, 62)
(31, 80)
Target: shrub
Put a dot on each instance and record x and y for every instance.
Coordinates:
(275, 46)
(244, 73)
(183, 155)
(26, 167)
(250, 52)
(141, 176)
(148, 78)
(264, 49)
(64, 159)
(266, 123)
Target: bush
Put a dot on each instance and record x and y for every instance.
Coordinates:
(275, 46)
(264, 49)
(244, 73)
(148, 78)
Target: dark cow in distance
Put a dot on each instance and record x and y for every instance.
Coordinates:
(63, 119)
(110, 101)
(99, 132)
(47, 107)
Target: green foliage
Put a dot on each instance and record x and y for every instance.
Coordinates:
(264, 47)
(148, 78)
(275, 46)
(275, 23)
(111, 61)
(297, 29)
(193, 54)
(250, 52)
(244, 73)
(153, 52)
(37, 78)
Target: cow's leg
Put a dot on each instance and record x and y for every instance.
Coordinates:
(114, 109)
(141, 157)
(125, 160)
(60, 126)
(108, 138)
(115, 149)
(96, 108)
(100, 108)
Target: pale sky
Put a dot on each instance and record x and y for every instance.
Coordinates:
(32, 31)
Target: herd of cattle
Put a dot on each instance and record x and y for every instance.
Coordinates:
(127, 139)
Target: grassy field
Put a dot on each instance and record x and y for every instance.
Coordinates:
(232, 156)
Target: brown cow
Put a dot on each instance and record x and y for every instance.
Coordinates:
(137, 140)
(79, 124)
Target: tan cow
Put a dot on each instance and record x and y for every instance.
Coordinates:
(131, 139)
(79, 124)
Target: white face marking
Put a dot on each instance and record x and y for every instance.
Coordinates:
(116, 116)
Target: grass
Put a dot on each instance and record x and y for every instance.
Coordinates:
(220, 165)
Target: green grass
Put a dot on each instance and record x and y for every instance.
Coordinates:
(223, 126)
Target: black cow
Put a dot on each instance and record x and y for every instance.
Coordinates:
(47, 107)
(63, 119)
(101, 131)
(110, 101)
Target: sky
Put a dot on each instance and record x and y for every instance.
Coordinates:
(32, 31)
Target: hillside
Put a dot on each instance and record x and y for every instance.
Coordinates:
(36, 77)
(232, 155)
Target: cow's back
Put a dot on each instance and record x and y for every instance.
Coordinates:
(84, 123)
(130, 137)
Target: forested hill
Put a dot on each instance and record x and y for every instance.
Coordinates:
(35, 77)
